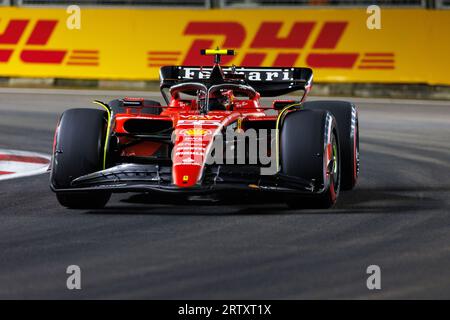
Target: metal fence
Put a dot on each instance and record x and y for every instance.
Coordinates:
(440, 4)
(443, 4)
(152, 3)
(233, 3)
(340, 3)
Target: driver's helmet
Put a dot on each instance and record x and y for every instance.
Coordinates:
(221, 100)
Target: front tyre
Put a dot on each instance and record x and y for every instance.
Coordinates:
(309, 149)
(346, 115)
(78, 150)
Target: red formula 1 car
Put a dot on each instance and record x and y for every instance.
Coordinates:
(214, 135)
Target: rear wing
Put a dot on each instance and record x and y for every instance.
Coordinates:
(268, 81)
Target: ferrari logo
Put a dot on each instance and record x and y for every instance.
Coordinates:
(185, 178)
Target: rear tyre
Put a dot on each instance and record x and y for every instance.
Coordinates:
(309, 149)
(79, 142)
(346, 116)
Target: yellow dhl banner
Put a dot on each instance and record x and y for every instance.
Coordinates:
(131, 44)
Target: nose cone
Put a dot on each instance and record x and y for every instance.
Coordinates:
(185, 176)
(194, 139)
(189, 155)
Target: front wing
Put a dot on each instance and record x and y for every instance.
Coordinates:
(154, 177)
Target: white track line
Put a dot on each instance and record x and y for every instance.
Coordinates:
(22, 169)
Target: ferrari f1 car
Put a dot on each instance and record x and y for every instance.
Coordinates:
(310, 150)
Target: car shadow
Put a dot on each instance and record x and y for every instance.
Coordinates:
(380, 200)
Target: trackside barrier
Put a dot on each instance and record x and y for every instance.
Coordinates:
(131, 44)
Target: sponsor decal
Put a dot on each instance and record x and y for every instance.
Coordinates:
(188, 153)
(320, 48)
(276, 74)
(198, 123)
(195, 132)
(187, 148)
(200, 117)
(336, 43)
(158, 59)
(199, 120)
(36, 34)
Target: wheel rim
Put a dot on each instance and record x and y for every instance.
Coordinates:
(332, 168)
(335, 164)
(356, 153)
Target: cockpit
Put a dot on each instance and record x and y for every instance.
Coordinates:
(219, 97)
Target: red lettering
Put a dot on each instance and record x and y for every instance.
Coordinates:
(13, 32)
(253, 59)
(285, 60)
(332, 60)
(42, 32)
(233, 32)
(267, 36)
(5, 54)
(43, 56)
(193, 57)
(329, 35)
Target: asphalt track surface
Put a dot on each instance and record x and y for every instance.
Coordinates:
(398, 217)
